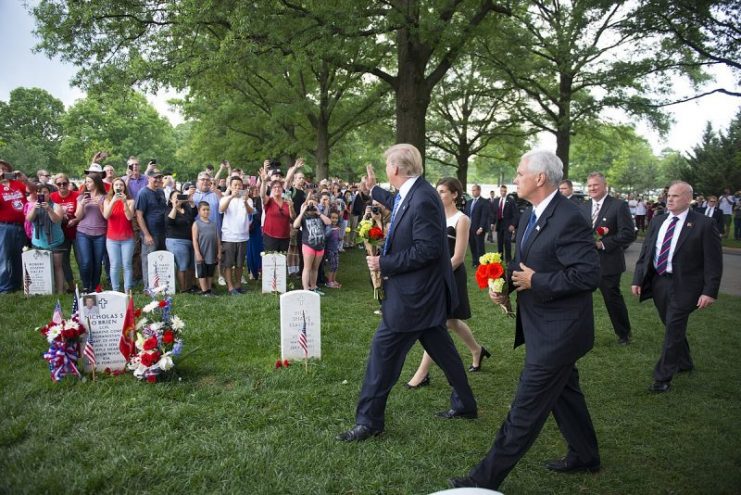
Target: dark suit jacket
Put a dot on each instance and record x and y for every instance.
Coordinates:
(615, 215)
(480, 214)
(697, 263)
(508, 214)
(717, 216)
(554, 317)
(416, 270)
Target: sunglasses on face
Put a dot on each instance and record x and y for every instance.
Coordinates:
(62, 184)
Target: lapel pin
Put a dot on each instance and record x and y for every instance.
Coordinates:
(537, 228)
(689, 225)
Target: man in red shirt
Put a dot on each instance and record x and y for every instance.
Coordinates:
(12, 236)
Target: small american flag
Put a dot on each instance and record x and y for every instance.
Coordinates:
(156, 281)
(26, 281)
(89, 351)
(302, 341)
(57, 316)
(75, 316)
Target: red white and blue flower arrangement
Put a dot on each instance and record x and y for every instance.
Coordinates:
(63, 337)
(158, 338)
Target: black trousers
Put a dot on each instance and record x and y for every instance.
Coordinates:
(541, 390)
(388, 352)
(609, 286)
(504, 243)
(476, 243)
(675, 352)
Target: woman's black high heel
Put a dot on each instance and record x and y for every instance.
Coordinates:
(425, 382)
(484, 354)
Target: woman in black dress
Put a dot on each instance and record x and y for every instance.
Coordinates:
(451, 193)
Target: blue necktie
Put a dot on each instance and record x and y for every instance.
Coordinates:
(397, 202)
(528, 229)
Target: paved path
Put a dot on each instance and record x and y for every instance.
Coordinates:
(729, 284)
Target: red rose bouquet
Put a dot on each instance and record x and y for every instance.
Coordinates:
(373, 239)
(158, 339)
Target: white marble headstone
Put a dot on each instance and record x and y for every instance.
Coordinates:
(105, 312)
(161, 271)
(38, 272)
(274, 273)
(300, 313)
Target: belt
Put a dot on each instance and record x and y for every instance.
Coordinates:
(11, 223)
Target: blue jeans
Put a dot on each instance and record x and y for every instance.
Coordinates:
(66, 266)
(121, 255)
(12, 240)
(89, 250)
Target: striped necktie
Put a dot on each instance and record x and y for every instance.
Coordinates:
(595, 214)
(666, 244)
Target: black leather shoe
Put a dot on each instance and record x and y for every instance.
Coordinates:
(358, 433)
(660, 387)
(462, 483)
(484, 354)
(424, 383)
(453, 414)
(566, 465)
(624, 340)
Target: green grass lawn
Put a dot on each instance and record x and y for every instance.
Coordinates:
(233, 423)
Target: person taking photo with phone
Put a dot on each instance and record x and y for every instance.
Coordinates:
(118, 209)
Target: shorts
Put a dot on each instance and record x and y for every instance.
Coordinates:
(273, 244)
(182, 250)
(205, 270)
(308, 250)
(233, 254)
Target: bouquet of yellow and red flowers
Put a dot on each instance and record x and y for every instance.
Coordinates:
(490, 273)
(373, 238)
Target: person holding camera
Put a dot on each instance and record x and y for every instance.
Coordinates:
(91, 231)
(46, 217)
(12, 236)
(313, 238)
(118, 209)
(67, 199)
(237, 208)
(278, 210)
(179, 237)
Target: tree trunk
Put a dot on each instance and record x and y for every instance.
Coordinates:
(563, 143)
(563, 129)
(322, 150)
(462, 172)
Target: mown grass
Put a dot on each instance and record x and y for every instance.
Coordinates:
(233, 423)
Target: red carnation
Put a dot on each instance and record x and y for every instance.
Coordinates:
(152, 378)
(375, 233)
(98, 288)
(163, 303)
(602, 231)
(137, 313)
(278, 364)
(150, 343)
(147, 359)
(286, 363)
(168, 337)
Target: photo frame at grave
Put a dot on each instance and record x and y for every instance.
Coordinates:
(300, 325)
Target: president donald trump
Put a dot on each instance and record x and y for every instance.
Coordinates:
(419, 294)
(555, 271)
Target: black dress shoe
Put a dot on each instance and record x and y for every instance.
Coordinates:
(424, 383)
(660, 387)
(462, 483)
(453, 414)
(358, 433)
(566, 465)
(484, 354)
(624, 340)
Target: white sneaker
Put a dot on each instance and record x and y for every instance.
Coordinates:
(244, 279)
(222, 282)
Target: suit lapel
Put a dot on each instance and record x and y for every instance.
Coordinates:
(403, 207)
(540, 225)
(687, 226)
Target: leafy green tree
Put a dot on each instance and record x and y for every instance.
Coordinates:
(31, 129)
(121, 124)
(575, 59)
(715, 163)
(634, 170)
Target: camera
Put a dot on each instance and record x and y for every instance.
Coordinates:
(41, 198)
(311, 207)
(375, 210)
(182, 197)
(8, 175)
(153, 161)
(86, 195)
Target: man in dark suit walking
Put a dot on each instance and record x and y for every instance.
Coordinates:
(477, 209)
(712, 211)
(680, 267)
(566, 187)
(503, 215)
(612, 214)
(556, 271)
(419, 294)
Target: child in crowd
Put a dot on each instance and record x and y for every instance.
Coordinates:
(207, 247)
(332, 250)
(313, 236)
